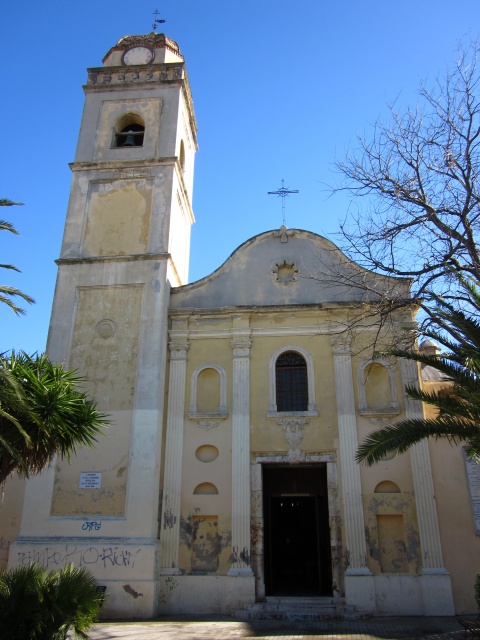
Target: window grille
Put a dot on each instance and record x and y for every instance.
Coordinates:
(291, 382)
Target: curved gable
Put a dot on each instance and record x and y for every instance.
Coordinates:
(285, 267)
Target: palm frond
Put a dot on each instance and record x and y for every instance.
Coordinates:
(399, 437)
(459, 407)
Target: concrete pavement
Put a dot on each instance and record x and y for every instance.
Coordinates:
(225, 628)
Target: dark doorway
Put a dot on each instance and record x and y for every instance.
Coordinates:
(297, 537)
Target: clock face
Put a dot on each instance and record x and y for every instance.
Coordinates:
(138, 55)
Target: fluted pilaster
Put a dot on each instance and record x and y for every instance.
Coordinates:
(171, 505)
(241, 458)
(423, 481)
(351, 481)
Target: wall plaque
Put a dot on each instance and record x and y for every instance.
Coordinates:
(90, 480)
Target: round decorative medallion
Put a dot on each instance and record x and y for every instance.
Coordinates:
(285, 272)
(106, 328)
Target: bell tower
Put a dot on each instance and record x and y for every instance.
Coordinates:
(126, 242)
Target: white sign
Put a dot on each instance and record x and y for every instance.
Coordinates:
(90, 480)
(473, 477)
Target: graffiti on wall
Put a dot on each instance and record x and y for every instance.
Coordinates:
(106, 557)
(90, 526)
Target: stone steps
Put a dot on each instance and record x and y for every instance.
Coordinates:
(279, 608)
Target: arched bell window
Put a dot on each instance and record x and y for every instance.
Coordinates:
(129, 131)
(291, 381)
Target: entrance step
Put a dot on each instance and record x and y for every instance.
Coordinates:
(277, 608)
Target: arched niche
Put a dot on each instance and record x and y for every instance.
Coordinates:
(377, 391)
(206, 453)
(205, 489)
(208, 392)
(387, 486)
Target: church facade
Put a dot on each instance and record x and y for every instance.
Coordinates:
(227, 477)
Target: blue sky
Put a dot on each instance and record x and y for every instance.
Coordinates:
(280, 89)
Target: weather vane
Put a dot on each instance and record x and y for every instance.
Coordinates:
(156, 20)
(283, 192)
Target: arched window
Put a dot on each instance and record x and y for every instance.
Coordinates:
(129, 131)
(291, 385)
(291, 382)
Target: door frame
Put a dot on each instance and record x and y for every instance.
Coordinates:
(258, 521)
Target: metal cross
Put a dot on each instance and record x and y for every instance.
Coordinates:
(156, 20)
(283, 192)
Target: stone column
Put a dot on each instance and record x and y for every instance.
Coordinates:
(359, 589)
(241, 458)
(436, 587)
(171, 504)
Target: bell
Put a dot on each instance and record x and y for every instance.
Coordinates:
(130, 139)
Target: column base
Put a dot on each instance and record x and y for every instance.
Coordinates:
(436, 586)
(209, 594)
(360, 590)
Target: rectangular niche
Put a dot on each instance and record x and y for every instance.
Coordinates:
(205, 544)
(391, 544)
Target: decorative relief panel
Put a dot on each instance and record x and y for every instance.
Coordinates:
(106, 328)
(284, 272)
(131, 172)
(122, 75)
(283, 233)
(208, 424)
(293, 432)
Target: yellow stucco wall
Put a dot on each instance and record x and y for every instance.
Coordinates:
(209, 336)
(104, 349)
(118, 219)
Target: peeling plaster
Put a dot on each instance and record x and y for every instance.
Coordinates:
(128, 589)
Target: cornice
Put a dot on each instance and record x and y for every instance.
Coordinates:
(127, 258)
(139, 166)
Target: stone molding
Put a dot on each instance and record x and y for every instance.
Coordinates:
(133, 74)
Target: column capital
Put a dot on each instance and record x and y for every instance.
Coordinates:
(178, 350)
(341, 343)
(241, 347)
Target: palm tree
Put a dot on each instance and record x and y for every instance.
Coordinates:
(43, 412)
(36, 605)
(458, 418)
(8, 294)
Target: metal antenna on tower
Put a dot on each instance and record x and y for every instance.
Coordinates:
(156, 20)
(283, 192)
